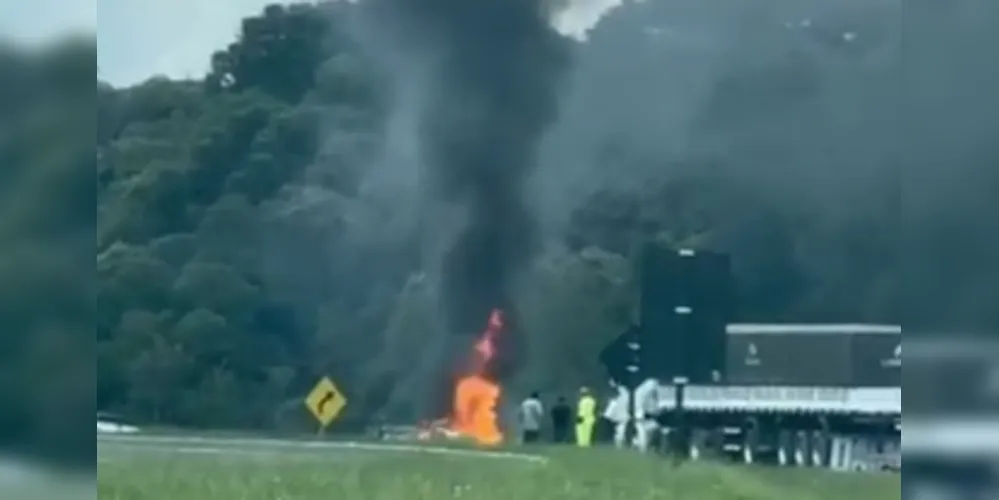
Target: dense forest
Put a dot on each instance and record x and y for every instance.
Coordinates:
(274, 221)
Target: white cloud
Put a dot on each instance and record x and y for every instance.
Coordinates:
(582, 15)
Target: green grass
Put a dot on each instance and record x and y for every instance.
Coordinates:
(149, 473)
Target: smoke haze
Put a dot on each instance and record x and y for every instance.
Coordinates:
(806, 106)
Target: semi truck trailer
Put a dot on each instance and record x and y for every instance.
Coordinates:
(821, 395)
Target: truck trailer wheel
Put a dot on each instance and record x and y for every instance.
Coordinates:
(751, 439)
(785, 448)
(801, 451)
(820, 449)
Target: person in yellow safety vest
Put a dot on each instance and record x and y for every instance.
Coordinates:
(586, 418)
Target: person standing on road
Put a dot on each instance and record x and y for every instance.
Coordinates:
(532, 414)
(586, 418)
(561, 419)
(646, 413)
(618, 413)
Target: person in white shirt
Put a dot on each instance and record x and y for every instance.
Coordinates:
(619, 413)
(646, 411)
(531, 417)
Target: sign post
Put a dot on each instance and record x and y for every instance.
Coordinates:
(325, 402)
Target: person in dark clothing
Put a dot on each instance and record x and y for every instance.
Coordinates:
(561, 421)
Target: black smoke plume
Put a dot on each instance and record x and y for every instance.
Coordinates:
(495, 68)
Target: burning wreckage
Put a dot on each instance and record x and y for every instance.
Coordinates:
(475, 396)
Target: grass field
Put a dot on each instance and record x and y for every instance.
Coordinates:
(293, 472)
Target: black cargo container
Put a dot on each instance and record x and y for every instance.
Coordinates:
(692, 346)
(876, 359)
(814, 355)
(686, 302)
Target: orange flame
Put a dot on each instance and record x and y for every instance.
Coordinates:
(475, 396)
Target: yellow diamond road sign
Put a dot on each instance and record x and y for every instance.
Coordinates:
(326, 401)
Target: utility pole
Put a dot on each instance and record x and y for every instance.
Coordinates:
(634, 344)
(684, 314)
(634, 370)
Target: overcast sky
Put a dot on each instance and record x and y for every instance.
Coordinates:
(37, 20)
(141, 38)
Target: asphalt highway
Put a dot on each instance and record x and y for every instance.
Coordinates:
(112, 447)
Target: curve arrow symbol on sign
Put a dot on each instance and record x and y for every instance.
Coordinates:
(327, 399)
